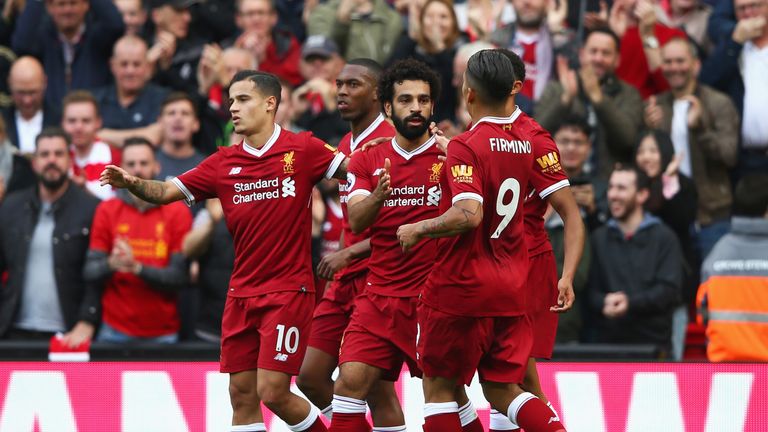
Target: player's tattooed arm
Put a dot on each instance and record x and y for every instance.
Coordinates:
(153, 191)
(463, 216)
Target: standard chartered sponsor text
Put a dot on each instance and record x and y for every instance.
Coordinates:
(410, 196)
(256, 191)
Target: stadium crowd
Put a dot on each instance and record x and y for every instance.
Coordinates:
(677, 88)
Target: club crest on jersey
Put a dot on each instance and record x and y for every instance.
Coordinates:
(434, 176)
(462, 173)
(288, 160)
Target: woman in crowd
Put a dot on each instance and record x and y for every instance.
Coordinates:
(434, 39)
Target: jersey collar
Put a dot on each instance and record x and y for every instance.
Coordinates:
(270, 142)
(355, 141)
(418, 150)
(499, 120)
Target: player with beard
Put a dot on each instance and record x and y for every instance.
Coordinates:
(358, 104)
(264, 185)
(391, 183)
(472, 313)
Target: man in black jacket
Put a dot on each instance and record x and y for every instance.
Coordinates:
(637, 267)
(44, 234)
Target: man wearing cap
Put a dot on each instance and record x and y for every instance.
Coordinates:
(315, 101)
(74, 45)
(174, 51)
(275, 50)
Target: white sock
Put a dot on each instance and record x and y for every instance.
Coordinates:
(347, 405)
(307, 422)
(431, 409)
(549, 404)
(390, 429)
(253, 427)
(467, 413)
(328, 412)
(516, 404)
(500, 421)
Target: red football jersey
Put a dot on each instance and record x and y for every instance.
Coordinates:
(483, 272)
(415, 182)
(266, 197)
(379, 128)
(129, 304)
(547, 177)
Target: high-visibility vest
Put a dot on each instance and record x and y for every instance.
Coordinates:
(734, 310)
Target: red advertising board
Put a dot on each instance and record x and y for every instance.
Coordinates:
(177, 396)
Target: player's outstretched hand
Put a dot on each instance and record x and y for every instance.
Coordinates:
(384, 188)
(117, 177)
(372, 143)
(408, 235)
(565, 297)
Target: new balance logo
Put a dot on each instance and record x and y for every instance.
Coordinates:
(284, 357)
(553, 419)
(235, 170)
(289, 187)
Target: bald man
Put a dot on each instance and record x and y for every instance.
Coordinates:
(29, 114)
(131, 105)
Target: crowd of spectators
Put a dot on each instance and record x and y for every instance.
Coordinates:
(657, 107)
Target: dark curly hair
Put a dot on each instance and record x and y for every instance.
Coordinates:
(407, 70)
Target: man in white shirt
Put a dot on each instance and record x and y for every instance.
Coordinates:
(28, 115)
(753, 66)
(738, 66)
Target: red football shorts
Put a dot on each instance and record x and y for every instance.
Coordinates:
(452, 346)
(382, 333)
(333, 313)
(266, 332)
(542, 294)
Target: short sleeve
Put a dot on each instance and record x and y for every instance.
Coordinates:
(465, 180)
(199, 183)
(359, 179)
(548, 175)
(324, 159)
(102, 236)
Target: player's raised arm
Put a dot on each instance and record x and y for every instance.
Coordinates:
(464, 215)
(363, 208)
(153, 191)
